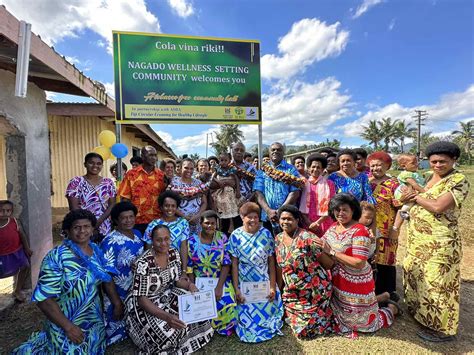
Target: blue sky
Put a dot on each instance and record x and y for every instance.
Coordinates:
(328, 67)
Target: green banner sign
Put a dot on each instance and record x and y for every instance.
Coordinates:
(177, 79)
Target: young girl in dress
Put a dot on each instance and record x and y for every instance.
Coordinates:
(14, 249)
(225, 192)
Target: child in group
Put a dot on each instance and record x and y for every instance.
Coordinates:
(367, 218)
(225, 193)
(14, 249)
(408, 178)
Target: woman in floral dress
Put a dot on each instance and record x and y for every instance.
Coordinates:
(253, 260)
(121, 247)
(94, 193)
(383, 190)
(433, 259)
(348, 243)
(306, 285)
(209, 257)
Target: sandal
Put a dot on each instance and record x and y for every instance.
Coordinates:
(399, 309)
(434, 337)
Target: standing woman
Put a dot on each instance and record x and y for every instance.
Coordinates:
(349, 180)
(383, 189)
(253, 259)
(178, 226)
(120, 247)
(193, 195)
(168, 166)
(432, 263)
(67, 293)
(316, 195)
(209, 257)
(94, 193)
(348, 242)
(302, 277)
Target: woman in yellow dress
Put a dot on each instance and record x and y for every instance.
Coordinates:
(432, 264)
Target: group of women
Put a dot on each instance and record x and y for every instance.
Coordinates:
(319, 269)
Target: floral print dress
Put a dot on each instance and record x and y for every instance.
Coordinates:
(120, 252)
(432, 263)
(307, 291)
(207, 260)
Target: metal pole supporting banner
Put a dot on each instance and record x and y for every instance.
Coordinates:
(118, 135)
(260, 151)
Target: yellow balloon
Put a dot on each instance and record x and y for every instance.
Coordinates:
(107, 138)
(104, 152)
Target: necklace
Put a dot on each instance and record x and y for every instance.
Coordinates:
(243, 173)
(283, 177)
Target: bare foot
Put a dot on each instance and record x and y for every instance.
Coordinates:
(383, 297)
(18, 296)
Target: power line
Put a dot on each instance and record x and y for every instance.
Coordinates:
(420, 116)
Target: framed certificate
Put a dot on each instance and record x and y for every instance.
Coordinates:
(197, 307)
(255, 292)
(206, 283)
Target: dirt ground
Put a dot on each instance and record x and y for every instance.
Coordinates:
(17, 322)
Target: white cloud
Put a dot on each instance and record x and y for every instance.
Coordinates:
(55, 20)
(308, 41)
(182, 7)
(110, 89)
(365, 6)
(451, 107)
(392, 23)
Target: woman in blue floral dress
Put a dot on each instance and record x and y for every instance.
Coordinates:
(68, 293)
(121, 248)
(209, 258)
(253, 259)
(178, 226)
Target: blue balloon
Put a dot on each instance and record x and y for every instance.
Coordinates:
(119, 150)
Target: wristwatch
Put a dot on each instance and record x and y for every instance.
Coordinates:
(332, 252)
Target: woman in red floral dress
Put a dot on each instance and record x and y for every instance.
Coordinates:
(302, 277)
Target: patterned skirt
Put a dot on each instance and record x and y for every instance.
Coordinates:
(154, 336)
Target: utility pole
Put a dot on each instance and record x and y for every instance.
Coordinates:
(420, 116)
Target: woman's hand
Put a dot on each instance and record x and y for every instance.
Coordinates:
(239, 297)
(271, 295)
(192, 287)
(408, 194)
(218, 291)
(118, 311)
(75, 334)
(315, 226)
(393, 234)
(326, 247)
(174, 322)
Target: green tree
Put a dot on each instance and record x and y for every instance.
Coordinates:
(194, 156)
(403, 130)
(372, 133)
(465, 137)
(227, 135)
(388, 130)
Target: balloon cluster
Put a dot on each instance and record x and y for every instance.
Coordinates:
(107, 139)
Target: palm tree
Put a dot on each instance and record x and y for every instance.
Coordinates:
(466, 137)
(388, 131)
(228, 134)
(372, 133)
(194, 156)
(402, 131)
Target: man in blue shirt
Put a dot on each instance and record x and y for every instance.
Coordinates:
(271, 193)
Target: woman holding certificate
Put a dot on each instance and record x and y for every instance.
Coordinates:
(209, 268)
(260, 308)
(306, 285)
(152, 304)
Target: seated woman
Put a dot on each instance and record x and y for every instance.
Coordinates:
(252, 248)
(209, 257)
(178, 226)
(67, 292)
(348, 180)
(348, 242)
(120, 247)
(316, 195)
(152, 304)
(302, 277)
